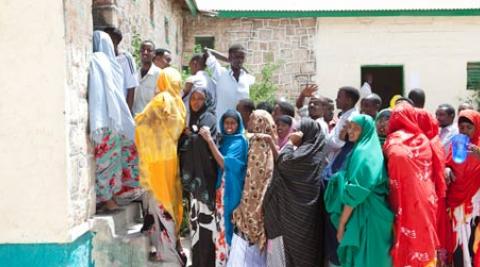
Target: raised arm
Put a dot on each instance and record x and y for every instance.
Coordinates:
(205, 133)
(306, 92)
(213, 64)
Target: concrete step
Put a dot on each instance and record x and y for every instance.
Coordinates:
(120, 220)
(119, 243)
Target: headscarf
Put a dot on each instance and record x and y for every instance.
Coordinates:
(248, 216)
(430, 128)
(107, 105)
(198, 167)
(174, 80)
(412, 195)
(383, 114)
(362, 185)
(158, 130)
(234, 149)
(289, 121)
(207, 106)
(293, 204)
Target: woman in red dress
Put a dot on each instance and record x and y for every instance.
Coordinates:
(463, 195)
(412, 189)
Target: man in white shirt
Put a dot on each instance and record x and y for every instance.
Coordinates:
(347, 98)
(127, 62)
(446, 115)
(366, 88)
(148, 76)
(233, 83)
(199, 79)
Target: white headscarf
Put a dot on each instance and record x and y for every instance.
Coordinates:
(107, 105)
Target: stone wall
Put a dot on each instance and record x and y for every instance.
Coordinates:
(80, 162)
(287, 42)
(157, 20)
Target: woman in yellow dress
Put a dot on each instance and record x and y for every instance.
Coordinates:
(158, 130)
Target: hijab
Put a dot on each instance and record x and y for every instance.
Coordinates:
(159, 127)
(107, 105)
(289, 121)
(293, 204)
(364, 169)
(197, 165)
(248, 217)
(233, 148)
(383, 114)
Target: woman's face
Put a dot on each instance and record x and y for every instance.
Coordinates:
(354, 131)
(467, 129)
(382, 126)
(230, 125)
(197, 100)
(282, 129)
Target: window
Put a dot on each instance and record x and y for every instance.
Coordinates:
(152, 13)
(167, 32)
(473, 76)
(205, 41)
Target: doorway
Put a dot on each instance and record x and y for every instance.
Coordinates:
(387, 80)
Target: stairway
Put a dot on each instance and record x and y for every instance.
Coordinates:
(118, 241)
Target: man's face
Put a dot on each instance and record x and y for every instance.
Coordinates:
(194, 66)
(244, 112)
(342, 100)
(162, 61)
(115, 41)
(368, 107)
(443, 118)
(147, 52)
(236, 59)
(328, 111)
(315, 108)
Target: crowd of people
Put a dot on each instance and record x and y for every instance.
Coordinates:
(279, 185)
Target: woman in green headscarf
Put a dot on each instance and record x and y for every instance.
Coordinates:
(381, 122)
(356, 199)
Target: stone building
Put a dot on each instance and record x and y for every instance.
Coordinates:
(286, 42)
(403, 44)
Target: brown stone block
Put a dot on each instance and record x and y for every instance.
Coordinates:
(279, 34)
(273, 45)
(286, 54)
(274, 22)
(263, 46)
(268, 57)
(105, 16)
(265, 34)
(309, 22)
(103, 2)
(308, 67)
(290, 30)
(301, 31)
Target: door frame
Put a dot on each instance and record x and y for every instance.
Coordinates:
(402, 79)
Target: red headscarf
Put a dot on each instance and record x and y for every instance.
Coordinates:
(412, 190)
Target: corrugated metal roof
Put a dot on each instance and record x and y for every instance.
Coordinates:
(335, 5)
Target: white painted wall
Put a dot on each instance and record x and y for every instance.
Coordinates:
(33, 191)
(433, 50)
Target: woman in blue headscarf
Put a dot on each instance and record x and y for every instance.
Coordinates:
(231, 157)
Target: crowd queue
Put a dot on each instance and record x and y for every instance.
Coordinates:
(279, 185)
